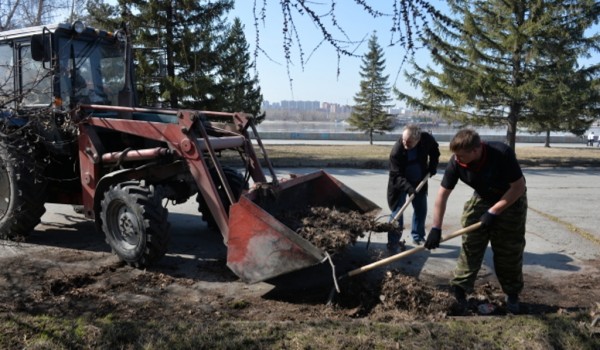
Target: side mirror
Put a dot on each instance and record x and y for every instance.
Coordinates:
(37, 47)
(38, 52)
(40, 47)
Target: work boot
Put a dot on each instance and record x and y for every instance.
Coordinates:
(394, 248)
(512, 304)
(418, 241)
(462, 305)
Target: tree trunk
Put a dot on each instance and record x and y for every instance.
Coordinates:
(547, 144)
(72, 12)
(174, 99)
(40, 11)
(511, 131)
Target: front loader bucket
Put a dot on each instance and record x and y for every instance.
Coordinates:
(260, 247)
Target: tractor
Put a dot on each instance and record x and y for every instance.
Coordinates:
(71, 132)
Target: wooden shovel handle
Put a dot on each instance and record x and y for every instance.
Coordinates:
(411, 197)
(412, 251)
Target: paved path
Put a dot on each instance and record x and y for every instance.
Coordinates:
(389, 143)
(562, 226)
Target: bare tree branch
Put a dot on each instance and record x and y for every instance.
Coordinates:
(408, 19)
(9, 16)
(25, 13)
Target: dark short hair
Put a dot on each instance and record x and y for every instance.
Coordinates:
(465, 140)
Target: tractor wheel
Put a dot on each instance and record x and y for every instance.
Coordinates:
(135, 223)
(21, 189)
(237, 184)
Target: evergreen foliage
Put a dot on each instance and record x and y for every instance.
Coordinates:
(189, 32)
(504, 62)
(102, 15)
(186, 54)
(237, 90)
(371, 102)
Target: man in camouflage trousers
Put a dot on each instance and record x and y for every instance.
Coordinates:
(499, 202)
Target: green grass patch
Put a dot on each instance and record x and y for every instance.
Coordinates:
(566, 331)
(377, 156)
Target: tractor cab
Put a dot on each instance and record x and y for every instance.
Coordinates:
(59, 66)
(90, 66)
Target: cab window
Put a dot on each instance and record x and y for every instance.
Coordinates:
(6, 75)
(35, 80)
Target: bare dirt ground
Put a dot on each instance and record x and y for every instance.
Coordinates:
(66, 270)
(71, 282)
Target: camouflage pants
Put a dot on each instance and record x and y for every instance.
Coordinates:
(507, 238)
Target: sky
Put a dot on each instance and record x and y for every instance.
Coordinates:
(318, 80)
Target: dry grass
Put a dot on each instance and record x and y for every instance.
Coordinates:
(376, 156)
(522, 332)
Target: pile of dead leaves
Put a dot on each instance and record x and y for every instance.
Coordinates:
(395, 296)
(330, 229)
(406, 293)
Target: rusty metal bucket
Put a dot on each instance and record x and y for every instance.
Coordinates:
(260, 247)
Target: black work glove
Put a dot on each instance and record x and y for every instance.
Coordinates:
(409, 189)
(432, 172)
(433, 238)
(487, 219)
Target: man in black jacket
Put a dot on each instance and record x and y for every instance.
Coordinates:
(413, 156)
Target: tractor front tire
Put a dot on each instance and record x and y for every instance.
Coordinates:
(135, 223)
(237, 184)
(22, 189)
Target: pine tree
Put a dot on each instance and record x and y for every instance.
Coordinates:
(238, 92)
(500, 59)
(102, 15)
(186, 56)
(188, 32)
(567, 98)
(369, 113)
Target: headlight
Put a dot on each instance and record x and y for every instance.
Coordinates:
(78, 27)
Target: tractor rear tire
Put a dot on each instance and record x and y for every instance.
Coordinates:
(237, 184)
(22, 189)
(135, 223)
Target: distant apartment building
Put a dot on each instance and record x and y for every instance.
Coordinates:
(307, 106)
(267, 105)
(300, 105)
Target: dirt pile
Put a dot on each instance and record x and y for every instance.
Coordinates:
(398, 296)
(400, 292)
(331, 229)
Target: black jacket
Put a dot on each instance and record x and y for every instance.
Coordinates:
(428, 156)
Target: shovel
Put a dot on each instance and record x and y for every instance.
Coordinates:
(407, 202)
(396, 257)
(411, 197)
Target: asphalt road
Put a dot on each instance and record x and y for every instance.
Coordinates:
(562, 226)
(390, 143)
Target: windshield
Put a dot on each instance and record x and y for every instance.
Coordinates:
(91, 71)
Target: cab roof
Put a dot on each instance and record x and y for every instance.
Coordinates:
(30, 31)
